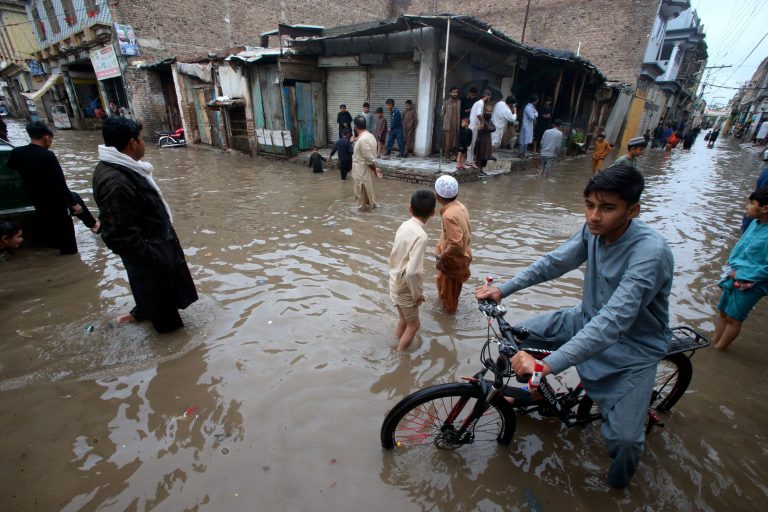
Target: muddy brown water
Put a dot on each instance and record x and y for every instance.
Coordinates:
(273, 395)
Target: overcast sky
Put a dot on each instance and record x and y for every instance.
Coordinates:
(733, 28)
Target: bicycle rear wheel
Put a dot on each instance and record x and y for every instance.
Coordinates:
(436, 414)
(673, 375)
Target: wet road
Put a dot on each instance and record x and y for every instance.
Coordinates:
(272, 397)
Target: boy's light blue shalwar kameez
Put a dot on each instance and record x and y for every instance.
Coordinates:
(618, 333)
(749, 259)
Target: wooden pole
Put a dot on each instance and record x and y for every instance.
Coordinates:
(557, 89)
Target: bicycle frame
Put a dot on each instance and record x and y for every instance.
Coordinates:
(685, 340)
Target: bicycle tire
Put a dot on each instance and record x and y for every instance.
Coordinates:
(673, 376)
(677, 381)
(414, 422)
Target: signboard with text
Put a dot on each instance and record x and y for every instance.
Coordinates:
(105, 63)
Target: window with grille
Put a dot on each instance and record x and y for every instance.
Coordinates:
(91, 8)
(39, 25)
(53, 20)
(70, 16)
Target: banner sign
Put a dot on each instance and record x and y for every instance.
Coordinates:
(104, 63)
(35, 68)
(126, 37)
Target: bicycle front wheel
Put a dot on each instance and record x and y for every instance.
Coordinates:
(442, 415)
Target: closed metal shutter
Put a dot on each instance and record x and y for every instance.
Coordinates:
(397, 79)
(348, 86)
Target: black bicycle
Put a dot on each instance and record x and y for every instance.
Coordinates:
(453, 415)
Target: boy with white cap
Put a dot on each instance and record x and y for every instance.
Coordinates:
(453, 252)
(635, 148)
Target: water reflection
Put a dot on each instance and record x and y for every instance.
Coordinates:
(288, 355)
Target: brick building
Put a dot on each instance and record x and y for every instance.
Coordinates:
(201, 27)
(612, 35)
(69, 32)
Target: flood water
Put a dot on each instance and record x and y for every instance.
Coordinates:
(272, 396)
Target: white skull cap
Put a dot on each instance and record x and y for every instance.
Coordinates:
(447, 187)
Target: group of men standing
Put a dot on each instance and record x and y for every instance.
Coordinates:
(534, 121)
(401, 128)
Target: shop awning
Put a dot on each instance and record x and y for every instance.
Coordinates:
(36, 95)
(256, 54)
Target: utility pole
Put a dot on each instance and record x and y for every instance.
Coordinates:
(704, 82)
(525, 21)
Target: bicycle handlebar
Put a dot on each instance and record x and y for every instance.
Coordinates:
(497, 311)
(510, 344)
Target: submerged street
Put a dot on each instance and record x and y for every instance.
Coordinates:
(272, 396)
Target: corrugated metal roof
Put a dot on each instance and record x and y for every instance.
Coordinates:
(259, 54)
(570, 56)
(466, 26)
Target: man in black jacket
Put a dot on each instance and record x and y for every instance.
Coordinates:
(47, 189)
(136, 225)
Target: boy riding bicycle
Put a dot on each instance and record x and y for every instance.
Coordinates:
(619, 332)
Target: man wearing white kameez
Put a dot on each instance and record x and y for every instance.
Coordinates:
(526, 126)
(503, 114)
(364, 169)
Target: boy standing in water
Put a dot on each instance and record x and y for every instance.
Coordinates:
(452, 251)
(745, 280)
(406, 267)
(602, 150)
(316, 160)
(10, 238)
(635, 148)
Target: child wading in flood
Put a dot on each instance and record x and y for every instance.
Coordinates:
(10, 238)
(406, 267)
(602, 150)
(316, 160)
(745, 276)
(345, 149)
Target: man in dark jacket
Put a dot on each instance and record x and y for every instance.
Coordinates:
(136, 225)
(47, 189)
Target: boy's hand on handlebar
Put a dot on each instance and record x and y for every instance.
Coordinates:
(488, 292)
(524, 363)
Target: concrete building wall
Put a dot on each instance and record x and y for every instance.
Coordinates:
(613, 35)
(148, 105)
(202, 26)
